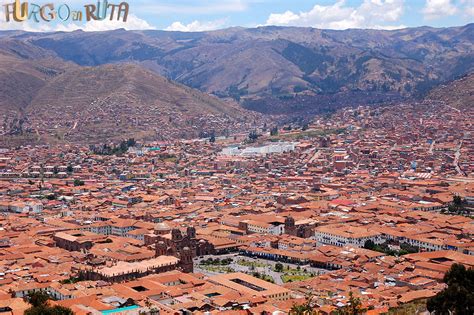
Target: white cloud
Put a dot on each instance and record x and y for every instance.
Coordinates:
(133, 23)
(198, 7)
(196, 26)
(468, 10)
(435, 9)
(369, 14)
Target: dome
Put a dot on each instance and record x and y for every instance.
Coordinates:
(162, 227)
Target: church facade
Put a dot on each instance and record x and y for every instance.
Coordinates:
(184, 246)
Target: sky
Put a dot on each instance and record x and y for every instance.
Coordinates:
(205, 15)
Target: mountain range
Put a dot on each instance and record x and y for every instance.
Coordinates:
(140, 81)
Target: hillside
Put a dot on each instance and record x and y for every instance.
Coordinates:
(26, 75)
(268, 65)
(458, 94)
(110, 102)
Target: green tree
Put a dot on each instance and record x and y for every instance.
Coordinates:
(458, 206)
(307, 308)
(40, 305)
(47, 310)
(458, 297)
(253, 136)
(78, 182)
(278, 267)
(131, 142)
(274, 131)
(457, 201)
(38, 298)
(369, 244)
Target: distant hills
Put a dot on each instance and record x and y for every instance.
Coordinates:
(99, 86)
(267, 66)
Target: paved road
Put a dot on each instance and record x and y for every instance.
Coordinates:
(432, 147)
(457, 155)
(315, 156)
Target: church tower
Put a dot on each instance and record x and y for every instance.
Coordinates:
(290, 226)
(186, 260)
(160, 249)
(191, 232)
(176, 235)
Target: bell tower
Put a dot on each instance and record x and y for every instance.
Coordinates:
(186, 260)
(160, 249)
(290, 226)
(176, 235)
(191, 232)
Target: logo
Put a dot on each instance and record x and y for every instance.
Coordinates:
(19, 11)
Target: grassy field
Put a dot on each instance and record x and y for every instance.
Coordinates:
(263, 277)
(293, 275)
(293, 278)
(253, 264)
(312, 133)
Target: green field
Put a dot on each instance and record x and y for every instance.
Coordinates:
(293, 278)
(312, 133)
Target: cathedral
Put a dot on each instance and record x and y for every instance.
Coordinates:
(183, 246)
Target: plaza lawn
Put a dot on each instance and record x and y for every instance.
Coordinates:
(292, 275)
(220, 269)
(263, 277)
(254, 264)
(295, 277)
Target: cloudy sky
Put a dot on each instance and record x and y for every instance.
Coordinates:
(201, 15)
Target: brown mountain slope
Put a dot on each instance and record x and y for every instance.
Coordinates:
(21, 79)
(459, 93)
(105, 103)
(97, 104)
(282, 64)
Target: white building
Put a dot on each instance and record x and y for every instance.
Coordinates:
(274, 228)
(278, 147)
(343, 235)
